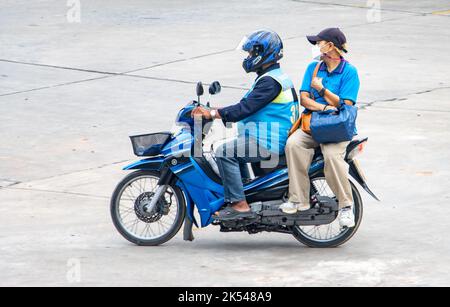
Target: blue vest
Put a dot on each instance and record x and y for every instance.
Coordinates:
(270, 126)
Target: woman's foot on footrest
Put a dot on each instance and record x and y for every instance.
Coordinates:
(293, 208)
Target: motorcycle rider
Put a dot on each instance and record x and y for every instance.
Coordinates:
(265, 116)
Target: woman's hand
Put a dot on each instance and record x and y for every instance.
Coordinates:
(317, 84)
(327, 108)
(201, 112)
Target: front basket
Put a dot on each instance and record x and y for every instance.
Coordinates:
(149, 145)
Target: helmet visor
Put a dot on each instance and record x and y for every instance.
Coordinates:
(242, 44)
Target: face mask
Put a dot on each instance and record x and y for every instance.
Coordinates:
(316, 54)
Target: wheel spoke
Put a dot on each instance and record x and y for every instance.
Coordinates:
(133, 224)
(163, 223)
(323, 233)
(329, 232)
(145, 230)
(159, 227)
(130, 195)
(127, 213)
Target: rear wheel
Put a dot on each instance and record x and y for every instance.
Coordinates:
(331, 235)
(129, 214)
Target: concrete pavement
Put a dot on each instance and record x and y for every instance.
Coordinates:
(71, 93)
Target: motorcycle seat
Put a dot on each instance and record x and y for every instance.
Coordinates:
(259, 171)
(353, 144)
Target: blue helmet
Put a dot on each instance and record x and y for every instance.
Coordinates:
(264, 46)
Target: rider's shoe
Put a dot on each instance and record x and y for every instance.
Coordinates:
(293, 208)
(229, 214)
(347, 218)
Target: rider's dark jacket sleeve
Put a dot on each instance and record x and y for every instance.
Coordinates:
(265, 91)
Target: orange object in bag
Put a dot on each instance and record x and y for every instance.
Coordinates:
(295, 126)
(306, 122)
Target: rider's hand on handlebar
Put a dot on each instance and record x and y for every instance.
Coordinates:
(201, 112)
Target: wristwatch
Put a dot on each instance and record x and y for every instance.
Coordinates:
(213, 114)
(322, 91)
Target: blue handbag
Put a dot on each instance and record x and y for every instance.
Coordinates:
(334, 126)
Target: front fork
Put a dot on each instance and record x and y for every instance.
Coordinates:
(167, 178)
(163, 184)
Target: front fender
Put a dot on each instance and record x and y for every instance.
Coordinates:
(153, 164)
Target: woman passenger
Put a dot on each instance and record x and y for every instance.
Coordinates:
(336, 82)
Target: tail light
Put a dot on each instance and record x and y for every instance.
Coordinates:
(357, 150)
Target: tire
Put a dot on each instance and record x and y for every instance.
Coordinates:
(116, 218)
(342, 239)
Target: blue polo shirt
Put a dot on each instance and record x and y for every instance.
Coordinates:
(343, 81)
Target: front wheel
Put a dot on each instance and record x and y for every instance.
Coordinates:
(130, 217)
(331, 235)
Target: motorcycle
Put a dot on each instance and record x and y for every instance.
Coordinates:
(176, 176)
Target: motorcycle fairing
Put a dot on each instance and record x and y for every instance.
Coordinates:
(154, 164)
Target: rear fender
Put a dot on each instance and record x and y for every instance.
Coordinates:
(318, 167)
(359, 177)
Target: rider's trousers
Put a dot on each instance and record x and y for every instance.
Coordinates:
(300, 153)
(230, 157)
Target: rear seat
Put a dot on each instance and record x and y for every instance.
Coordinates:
(258, 171)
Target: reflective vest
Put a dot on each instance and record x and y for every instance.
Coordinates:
(270, 126)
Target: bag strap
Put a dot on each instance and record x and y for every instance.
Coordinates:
(298, 123)
(316, 71)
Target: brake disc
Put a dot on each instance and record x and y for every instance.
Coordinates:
(162, 208)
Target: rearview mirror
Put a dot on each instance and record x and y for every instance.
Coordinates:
(215, 88)
(200, 89)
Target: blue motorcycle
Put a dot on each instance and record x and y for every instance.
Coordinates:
(175, 177)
